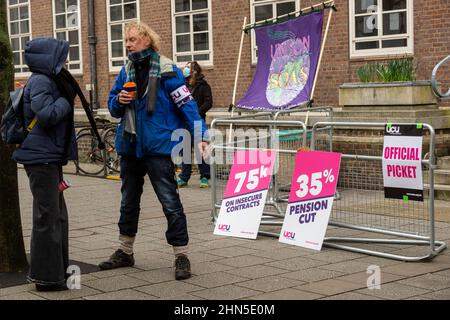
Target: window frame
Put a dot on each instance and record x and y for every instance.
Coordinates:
(253, 5)
(67, 30)
(116, 69)
(20, 35)
(380, 52)
(190, 13)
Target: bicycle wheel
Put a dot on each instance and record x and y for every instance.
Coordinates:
(111, 156)
(90, 157)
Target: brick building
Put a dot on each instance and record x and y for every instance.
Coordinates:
(209, 31)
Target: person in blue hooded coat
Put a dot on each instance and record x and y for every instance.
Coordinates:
(49, 145)
(161, 106)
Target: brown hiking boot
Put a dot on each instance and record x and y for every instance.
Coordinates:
(118, 259)
(182, 268)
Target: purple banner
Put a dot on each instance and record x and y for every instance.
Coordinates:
(288, 54)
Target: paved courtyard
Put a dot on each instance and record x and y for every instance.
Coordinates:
(223, 268)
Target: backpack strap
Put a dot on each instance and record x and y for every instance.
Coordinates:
(32, 124)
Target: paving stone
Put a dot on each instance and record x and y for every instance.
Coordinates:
(230, 252)
(128, 294)
(229, 292)
(312, 274)
(282, 253)
(269, 283)
(394, 291)
(428, 281)
(439, 295)
(22, 296)
(298, 263)
(155, 276)
(330, 287)
(347, 266)
(183, 297)
(258, 271)
(287, 294)
(377, 261)
(169, 289)
(68, 294)
(216, 279)
(115, 283)
(200, 257)
(361, 277)
(414, 269)
(16, 289)
(244, 261)
(332, 256)
(148, 263)
(101, 274)
(222, 243)
(209, 267)
(351, 296)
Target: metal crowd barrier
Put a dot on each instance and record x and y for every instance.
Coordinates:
(362, 205)
(268, 136)
(359, 200)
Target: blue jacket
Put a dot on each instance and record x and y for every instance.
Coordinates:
(46, 142)
(154, 130)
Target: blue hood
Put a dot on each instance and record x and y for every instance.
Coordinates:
(46, 55)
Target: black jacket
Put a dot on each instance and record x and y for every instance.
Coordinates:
(202, 94)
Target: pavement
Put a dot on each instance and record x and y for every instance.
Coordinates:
(223, 268)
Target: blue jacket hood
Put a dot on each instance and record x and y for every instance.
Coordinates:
(46, 55)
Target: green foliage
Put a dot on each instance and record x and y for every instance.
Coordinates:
(395, 70)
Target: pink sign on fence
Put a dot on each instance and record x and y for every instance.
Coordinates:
(245, 195)
(315, 175)
(251, 172)
(311, 198)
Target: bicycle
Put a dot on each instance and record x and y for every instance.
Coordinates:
(91, 160)
(112, 159)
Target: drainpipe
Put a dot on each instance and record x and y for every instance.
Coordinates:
(92, 39)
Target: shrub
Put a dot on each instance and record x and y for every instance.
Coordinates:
(395, 70)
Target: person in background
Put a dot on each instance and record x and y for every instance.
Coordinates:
(159, 104)
(49, 104)
(201, 91)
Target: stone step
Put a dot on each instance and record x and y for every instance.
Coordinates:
(389, 108)
(441, 177)
(437, 122)
(374, 113)
(441, 192)
(444, 163)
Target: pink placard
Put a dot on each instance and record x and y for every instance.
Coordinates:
(315, 175)
(251, 172)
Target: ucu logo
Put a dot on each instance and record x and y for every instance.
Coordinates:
(393, 129)
(224, 227)
(289, 235)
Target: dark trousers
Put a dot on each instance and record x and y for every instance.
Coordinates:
(203, 168)
(186, 171)
(50, 234)
(161, 172)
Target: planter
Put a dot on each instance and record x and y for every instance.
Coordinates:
(415, 93)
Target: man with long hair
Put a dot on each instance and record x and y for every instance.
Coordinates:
(159, 105)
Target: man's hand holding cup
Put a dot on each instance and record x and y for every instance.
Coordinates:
(128, 94)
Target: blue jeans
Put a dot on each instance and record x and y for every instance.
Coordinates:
(161, 172)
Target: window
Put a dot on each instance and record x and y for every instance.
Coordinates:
(380, 27)
(120, 12)
(192, 31)
(19, 27)
(66, 24)
(268, 9)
